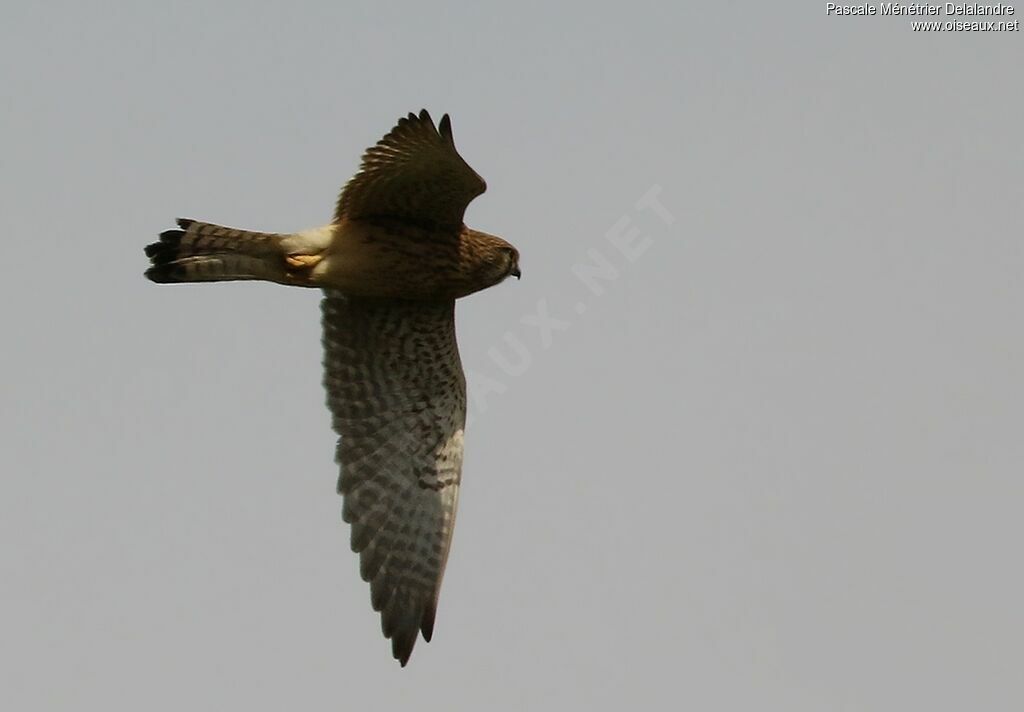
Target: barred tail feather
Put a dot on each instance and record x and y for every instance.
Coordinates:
(203, 252)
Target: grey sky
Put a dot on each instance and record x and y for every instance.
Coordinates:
(774, 465)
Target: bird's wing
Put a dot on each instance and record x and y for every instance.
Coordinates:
(414, 174)
(397, 395)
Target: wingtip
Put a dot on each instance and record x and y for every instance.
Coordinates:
(401, 648)
(445, 128)
(427, 624)
(401, 624)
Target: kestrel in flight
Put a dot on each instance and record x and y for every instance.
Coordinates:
(392, 263)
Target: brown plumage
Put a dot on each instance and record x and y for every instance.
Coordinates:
(391, 263)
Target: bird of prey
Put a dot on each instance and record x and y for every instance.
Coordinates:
(391, 264)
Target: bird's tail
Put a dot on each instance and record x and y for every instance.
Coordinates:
(203, 252)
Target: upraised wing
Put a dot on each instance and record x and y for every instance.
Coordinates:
(414, 174)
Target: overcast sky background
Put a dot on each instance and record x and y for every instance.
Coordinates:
(775, 464)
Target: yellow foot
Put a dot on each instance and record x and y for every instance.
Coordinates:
(302, 261)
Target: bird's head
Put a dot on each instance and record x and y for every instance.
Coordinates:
(493, 260)
(512, 263)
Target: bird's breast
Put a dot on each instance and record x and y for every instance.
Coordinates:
(393, 260)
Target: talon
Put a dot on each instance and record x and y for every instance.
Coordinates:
(302, 261)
